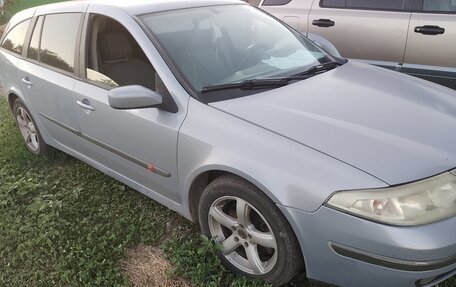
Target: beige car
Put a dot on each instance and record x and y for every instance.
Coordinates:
(417, 37)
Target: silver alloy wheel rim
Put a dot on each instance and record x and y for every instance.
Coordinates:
(245, 235)
(27, 128)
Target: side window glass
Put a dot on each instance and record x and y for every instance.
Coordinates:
(58, 40)
(34, 48)
(439, 6)
(114, 58)
(15, 39)
(333, 3)
(376, 5)
(387, 5)
(275, 2)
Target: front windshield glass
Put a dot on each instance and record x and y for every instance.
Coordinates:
(227, 44)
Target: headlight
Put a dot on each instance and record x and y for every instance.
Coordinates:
(411, 204)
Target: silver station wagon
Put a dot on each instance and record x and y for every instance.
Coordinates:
(288, 155)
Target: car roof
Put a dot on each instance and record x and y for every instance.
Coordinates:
(138, 7)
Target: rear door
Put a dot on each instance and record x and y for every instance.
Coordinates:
(370, 30)
(48, 76)
(431, 44)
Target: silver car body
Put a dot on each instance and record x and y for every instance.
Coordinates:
(381, 37)
(355, 127)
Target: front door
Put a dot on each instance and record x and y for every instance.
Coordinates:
(139, 145)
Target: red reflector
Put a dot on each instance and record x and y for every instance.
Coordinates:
(150, 167)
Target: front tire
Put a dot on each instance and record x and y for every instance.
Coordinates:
(29, 131)
(257, 241)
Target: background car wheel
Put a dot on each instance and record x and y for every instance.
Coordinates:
(28, 129)
(257, 240)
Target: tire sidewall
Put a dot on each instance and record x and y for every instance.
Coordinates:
(42, 147)
(285, 238)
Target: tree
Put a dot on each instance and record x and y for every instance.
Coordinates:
(5, 13)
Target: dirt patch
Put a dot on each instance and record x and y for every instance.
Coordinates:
(146, 266)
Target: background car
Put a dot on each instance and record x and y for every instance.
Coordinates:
(416, 37)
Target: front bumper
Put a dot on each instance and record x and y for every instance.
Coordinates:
(345, 250)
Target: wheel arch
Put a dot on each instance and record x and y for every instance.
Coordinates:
(206, 175)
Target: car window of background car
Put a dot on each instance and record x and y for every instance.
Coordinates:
(209, 48)
(34, 47)
(275, 2)
(439, 5)
(14, 41)
(394, 5)
(58, 40)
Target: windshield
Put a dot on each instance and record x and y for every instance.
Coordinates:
(218, 45)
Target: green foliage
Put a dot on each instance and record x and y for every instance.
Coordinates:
(6, 11)
(64, 223)
(11, 7)
(196, 258)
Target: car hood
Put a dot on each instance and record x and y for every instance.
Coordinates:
(395, 127)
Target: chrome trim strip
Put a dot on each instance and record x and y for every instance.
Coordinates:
(392, 263)
(150, 167)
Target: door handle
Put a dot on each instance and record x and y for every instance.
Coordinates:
(429, 30)
(323, 23)
(27, 81)
(85, 104)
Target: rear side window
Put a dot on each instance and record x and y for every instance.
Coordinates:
(34, 47)
(387, 5)
(57, 47)
(439, 6)
(275, 2)
(14, 40)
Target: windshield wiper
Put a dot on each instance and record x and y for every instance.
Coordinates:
(248, 85)
(317, 69)
(274, 82)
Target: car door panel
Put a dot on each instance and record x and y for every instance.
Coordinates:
(140, 144)
(363, 34)
(432, 55)
(48, 86)
(294, 13)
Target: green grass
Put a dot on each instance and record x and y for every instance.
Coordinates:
(64, 223)
(24, 4)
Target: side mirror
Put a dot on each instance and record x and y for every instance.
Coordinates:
(323, 43)
(133, 97)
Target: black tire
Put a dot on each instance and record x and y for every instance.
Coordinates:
(42, 147)
(289, 257)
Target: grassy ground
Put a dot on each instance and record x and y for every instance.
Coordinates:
(63, 223)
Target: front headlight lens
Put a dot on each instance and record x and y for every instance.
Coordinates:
(411, 204)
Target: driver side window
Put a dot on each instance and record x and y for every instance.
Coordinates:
(115, 59)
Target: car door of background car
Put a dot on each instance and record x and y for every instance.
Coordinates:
(48, 74)
(137, 144)
(371, 30)
(431, 44)
(292, 12)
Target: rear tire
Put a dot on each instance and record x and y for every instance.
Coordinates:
(258, 242)
(28, 129)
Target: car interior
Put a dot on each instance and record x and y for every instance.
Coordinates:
(118, 60)
(113, 52)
